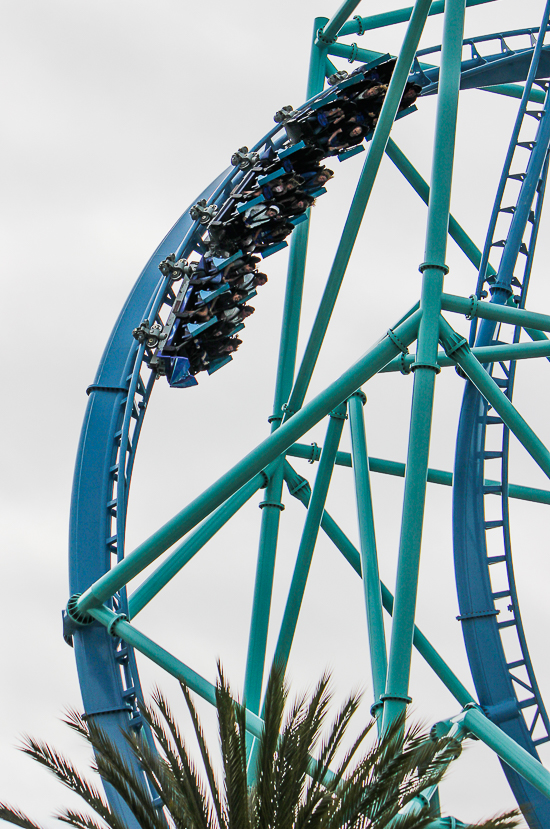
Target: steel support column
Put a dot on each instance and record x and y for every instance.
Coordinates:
(309, 537)
(396, 696)
(272, 504)
(192, 544)
(266, 452)
(458, 348)
(369, 557)
(359, 203)
(300, 489)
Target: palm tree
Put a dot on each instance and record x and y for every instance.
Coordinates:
(290, 790)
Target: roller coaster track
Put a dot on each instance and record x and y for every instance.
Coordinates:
(118, 401)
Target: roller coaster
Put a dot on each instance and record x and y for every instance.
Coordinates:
(183, 316)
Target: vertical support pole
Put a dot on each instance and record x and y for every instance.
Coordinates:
(360, 200)
(309, 536)
(425, 368)
(272, 505)
(369, 557)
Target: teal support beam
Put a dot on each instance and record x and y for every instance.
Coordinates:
(272, 504)
(473, 307)
(118, 626)
(300, 489)
(329, 33)
(457, 347)
(378, 21)
(537, 336)
(194, 542)
(309, 537)
(476, 723)
(435, 476)
(330, 68)
(485, 354)
(316, 73)
(369, 556)
(456, 232)
(263, 589)
(341, 50)
(265, 453)
(359, 203)
(396, 696)
(512, 90)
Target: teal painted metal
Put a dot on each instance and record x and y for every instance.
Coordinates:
(333, 27)
(472, 307)
(433, 269)
(340, 50)
(507, 749)
(369, 556)
(435, 476)
(250, 465)
(309, 537)
(263, 588)
(485, 354)
(220, 501)
(459, 349)
(467, 246)
(378, 21)
(272, 505)
(300, 489)
(512, 90)
(117, 625)
(359, 203)
(192, 544)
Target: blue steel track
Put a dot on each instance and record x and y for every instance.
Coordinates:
(116, 408)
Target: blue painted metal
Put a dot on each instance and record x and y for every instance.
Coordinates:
(109, 680)
(501, 684)
(360, 25)
(119, 396)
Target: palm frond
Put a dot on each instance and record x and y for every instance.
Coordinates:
(232, 729)
(508, 820)
(161, 777)
(65, 771)
(128, 781)
(210, 776)
(265, 790)
(76, 722)
(78, 820)
(194, 794)
(299, 737)
(18, 818)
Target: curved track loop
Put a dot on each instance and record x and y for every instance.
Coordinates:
(117, 403)
(491, 621)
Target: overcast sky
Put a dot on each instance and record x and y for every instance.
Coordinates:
(116, 115)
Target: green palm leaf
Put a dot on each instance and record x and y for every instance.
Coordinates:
(368, 788)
